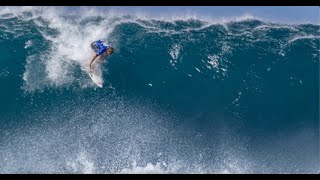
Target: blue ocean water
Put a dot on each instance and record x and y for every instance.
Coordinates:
(183, 95)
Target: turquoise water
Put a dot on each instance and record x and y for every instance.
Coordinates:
(185, 95)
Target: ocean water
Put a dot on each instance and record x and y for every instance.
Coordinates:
(181, 95)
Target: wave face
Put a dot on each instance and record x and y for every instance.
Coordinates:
(183, 95)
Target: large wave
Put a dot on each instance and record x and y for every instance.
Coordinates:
(187, 94)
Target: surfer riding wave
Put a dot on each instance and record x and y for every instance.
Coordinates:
(102, 51)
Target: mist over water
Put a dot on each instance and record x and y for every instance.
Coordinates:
(187, 94)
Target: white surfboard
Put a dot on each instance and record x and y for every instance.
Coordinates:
(96, 74)
(96, 79)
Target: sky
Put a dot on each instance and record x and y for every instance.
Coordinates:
(284, 14)
(280, 14)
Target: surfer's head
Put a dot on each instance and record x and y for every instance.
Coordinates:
(110, 50)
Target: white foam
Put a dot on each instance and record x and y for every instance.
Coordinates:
(218, 64)
(28, 44)
(213, 62)
(70, 46)
(148, 169)
(174, 53)
(275, 26)
(303, 37)
(82, 164)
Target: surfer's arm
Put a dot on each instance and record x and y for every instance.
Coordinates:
(94, 57)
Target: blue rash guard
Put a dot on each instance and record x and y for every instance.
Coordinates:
(102, 47)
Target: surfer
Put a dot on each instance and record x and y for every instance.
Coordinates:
(102, 51)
